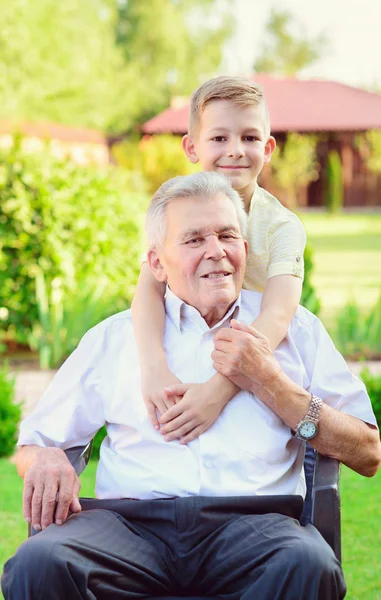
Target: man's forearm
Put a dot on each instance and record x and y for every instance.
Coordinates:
(340, 436)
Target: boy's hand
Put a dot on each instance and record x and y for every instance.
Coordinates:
(154, 396)
(193, 413)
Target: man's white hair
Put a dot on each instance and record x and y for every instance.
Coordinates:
(205, 185)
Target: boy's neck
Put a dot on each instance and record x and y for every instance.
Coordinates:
(247, 195)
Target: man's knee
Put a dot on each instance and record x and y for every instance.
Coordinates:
(313, 560)
(33, 567)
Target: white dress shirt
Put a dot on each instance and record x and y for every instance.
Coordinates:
(247, 451)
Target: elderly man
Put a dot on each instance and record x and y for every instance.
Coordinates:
(217, 516)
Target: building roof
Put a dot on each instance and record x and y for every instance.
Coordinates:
(47, 130)
(296, 105)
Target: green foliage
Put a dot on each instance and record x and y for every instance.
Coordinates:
(156, 158)
(373, 160)
(169, 47)
(294, 164)
(60, 62)
(65, 317)
(286, 52)
(10, 414)
(309, 298)
(358, 336)
(102, 63)
(334, 196)
(98, 439)
(373, 386)
(73, 223)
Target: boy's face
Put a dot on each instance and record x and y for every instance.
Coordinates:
(231, 140)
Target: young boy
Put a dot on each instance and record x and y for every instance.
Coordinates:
(229, 132)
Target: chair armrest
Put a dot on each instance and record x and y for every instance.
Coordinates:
(79, 456)
(326, 501)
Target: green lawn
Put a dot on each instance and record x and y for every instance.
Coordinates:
(347, 259)
(361, 530)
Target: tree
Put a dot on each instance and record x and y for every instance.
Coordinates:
(102, 63)
(169, 46)
(59, 62)
(285, 53)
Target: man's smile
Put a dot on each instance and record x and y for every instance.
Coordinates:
(216, 275)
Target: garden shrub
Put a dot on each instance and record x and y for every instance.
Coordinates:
(65, 317)
(79, 224)
(358, 335)
(10, 414)
(373, 386)
(309, 298)
(157, 159)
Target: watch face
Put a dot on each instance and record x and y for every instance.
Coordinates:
(307, 430)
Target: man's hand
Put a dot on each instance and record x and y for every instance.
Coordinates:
(154, 396)
(51, 489)
(192, 414)
(244, 355)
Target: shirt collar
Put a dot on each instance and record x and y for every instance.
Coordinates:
(179, 312)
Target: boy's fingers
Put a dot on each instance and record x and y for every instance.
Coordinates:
(176, 390)
(172, 413)
(180, 432)
(192, 435)
(151, 410)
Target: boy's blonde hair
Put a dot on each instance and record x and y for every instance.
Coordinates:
(238, 90)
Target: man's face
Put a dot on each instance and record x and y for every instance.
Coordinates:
(232, 140)
(203, 258)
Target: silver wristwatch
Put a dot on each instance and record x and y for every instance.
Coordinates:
(308, 427)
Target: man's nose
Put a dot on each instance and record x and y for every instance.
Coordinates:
(236, 149)
(215, 249)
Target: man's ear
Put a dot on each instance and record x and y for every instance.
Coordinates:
(155, 265)
(269, 148)
(189, 149)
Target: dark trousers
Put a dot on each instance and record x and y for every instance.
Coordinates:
(200, 546)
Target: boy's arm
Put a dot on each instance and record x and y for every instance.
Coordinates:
(279, 303)
(148, 317)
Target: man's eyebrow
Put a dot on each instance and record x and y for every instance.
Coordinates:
(200, 232)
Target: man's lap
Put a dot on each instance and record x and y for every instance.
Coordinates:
(162, 547)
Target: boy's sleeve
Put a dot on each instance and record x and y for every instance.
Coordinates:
(286, 244)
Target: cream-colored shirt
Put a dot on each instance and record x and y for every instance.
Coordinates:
(276, 239)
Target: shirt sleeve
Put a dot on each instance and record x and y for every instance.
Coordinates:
(330, 377)
(71, 411)
(286, 244)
